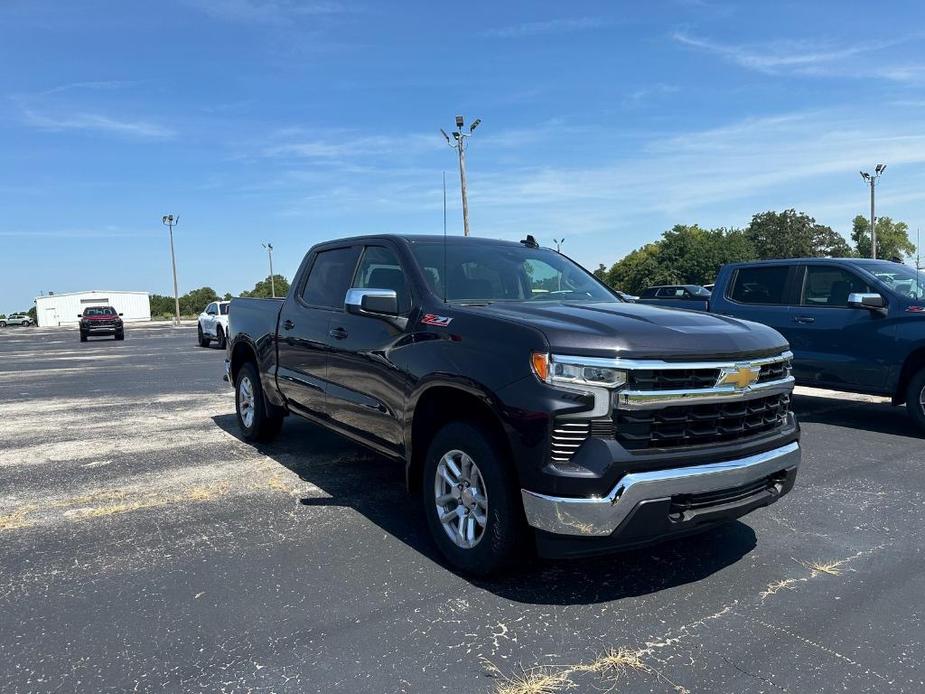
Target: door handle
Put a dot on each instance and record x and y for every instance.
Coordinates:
(338, 333)
(288, 325)
(804, 319)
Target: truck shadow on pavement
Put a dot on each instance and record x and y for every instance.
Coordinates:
(352, 477)
(876, 417)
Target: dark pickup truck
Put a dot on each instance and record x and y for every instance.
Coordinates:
(520, 394)
(689, 296)
(853, 324)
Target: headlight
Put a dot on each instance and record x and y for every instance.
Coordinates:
(556, 369)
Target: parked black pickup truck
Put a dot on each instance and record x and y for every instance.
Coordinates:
(521, 394)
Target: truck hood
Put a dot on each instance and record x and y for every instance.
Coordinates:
(639, 331)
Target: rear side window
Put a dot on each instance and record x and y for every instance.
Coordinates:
(760, 285)
(830, 286)
(223, 309)
(380, 269)
(329, 278)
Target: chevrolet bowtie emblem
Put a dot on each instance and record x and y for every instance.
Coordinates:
(739, 376)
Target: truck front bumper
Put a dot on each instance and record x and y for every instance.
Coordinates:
(648, 506)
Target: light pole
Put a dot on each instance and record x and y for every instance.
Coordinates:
(170, 221)
(459, 144)
(559, 243)
(269, 247)
(872, 181)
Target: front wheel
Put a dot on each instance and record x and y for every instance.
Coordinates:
(470, 500)
(203, 340)
(83, 337)
(257, 419)
(915, 399)
(120, 336)
(2, 323)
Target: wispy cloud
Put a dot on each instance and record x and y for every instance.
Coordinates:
(550, 26)
(267, 11)
(98, 85)
(805, 57)
(97, 122)
(657, 89)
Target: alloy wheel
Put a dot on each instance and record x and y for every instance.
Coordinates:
(460, 498)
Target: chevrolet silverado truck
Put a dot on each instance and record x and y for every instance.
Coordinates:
(853, 324)
(527, 403)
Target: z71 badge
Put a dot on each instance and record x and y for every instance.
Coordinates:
(434, 319)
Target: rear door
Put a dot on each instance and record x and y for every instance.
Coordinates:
(304, 324)
(834, 344)
(761, 293)
(366, 390)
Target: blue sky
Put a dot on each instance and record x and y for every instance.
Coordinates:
(296, 122)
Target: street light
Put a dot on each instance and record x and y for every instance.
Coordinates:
(269, 247)
(459, 144)
(871, 180)
(170, 222)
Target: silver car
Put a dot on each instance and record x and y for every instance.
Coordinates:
(16, 319)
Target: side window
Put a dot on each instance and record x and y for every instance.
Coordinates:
(380, 269)
(210, 309)
(329, 278)
(830, 286)
(760, 285)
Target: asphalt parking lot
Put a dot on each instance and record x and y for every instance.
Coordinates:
(143, 546)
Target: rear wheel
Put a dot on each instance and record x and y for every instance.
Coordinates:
(2, 323)
(915, 399)
(220, 337)
(257, 419)
(203, 340)
(470, 500)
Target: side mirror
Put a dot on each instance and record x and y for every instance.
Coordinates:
(376, 302)
(869, 301)
(80, 315)
(120, 314)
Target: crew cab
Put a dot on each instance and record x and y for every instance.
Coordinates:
(523, 415)
(101, 320)
(853, 324)
(213, 324)
(689, 296)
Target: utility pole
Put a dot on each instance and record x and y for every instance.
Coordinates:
(872, 181)
(170, 221)
(459, 144)
(269, 247)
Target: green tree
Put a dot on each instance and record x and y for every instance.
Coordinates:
(686, 254)
(195, 301)
(601, 272)
(892, 238)
(227, 296)
(262, 290)
(792, 234)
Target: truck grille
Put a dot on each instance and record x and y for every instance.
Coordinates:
(674, 379)
(690, 425)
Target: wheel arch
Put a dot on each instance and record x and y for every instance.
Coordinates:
(442, 401)
(911, 366)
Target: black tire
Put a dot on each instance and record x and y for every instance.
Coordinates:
(266, 419)
(915, 399)
(2, 323)
(120, 336)
(203, 340)
(83, 337)
(220, 337)
(503, 533)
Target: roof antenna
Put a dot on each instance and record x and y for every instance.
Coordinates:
(444, 237)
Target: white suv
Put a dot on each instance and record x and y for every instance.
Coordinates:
(16, 319)
(213, 324)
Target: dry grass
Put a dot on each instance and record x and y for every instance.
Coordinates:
(16, 519)
(536, 681)
(831, 568)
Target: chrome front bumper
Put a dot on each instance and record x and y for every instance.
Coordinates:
(598, 517)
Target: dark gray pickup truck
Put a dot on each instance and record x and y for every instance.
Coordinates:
(523, 398)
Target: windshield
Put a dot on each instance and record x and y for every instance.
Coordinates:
(100, 311)
(902, 279)
(485, 272)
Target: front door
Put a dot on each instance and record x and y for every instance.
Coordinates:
(304, 325)
(366, 389)
(834, 344)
